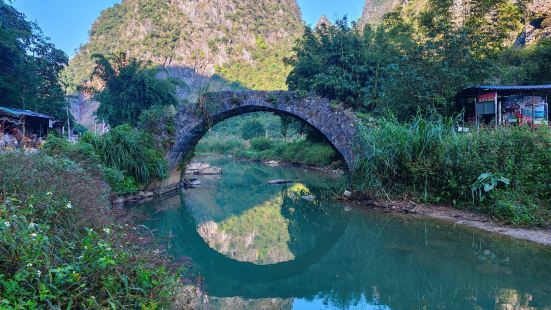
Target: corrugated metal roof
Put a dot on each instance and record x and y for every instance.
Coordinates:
(504, 89)
(19, 112)
(514, 87)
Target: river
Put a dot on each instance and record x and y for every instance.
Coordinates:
(261, 246)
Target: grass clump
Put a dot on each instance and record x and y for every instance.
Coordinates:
(61, 248)
(505, 172)
(126, 158)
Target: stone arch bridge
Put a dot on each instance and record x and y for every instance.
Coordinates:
(339, 126)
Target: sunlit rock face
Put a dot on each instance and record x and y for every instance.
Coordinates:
(536, 27)
(259, 235)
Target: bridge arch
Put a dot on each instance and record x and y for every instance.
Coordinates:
(337, 125)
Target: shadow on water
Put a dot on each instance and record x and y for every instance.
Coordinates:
(327, 255)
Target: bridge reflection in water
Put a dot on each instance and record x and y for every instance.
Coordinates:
(329, 255)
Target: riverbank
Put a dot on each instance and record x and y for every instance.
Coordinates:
(454, 216)
(61, 239)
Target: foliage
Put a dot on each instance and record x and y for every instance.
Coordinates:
(300, 152)
(29, 66)
(123, 157)
(428, 159)
(262, 144)
(252, 129)
(133, 152)
(170, 35)
(486, 184)
(268, 72)
(159, 121)
(413, 61)
(49, 259)
(530, 65)
(223, 146)
(129, 87)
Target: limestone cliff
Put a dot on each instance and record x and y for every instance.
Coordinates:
(537, 12)
(194, 37)
(209, 44)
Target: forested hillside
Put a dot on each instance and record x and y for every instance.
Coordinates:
(534, 22)
(196, 39)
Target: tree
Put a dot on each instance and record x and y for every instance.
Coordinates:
(409, 63)
(129, 87)
(252, 129)
(29, 66)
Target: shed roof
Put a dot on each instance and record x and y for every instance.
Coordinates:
(505, 90)
(19, 112)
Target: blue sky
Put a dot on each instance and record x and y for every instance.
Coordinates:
(66, 22)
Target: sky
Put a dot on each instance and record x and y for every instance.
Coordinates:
(67, 22)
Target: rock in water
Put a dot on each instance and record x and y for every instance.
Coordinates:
(210, 171)
(272, 163)
(202, 169)
(274, 182)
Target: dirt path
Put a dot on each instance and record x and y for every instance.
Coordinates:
(461, 217)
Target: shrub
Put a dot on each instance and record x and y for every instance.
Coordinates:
(262, 144)
(428, 159)
(252, 129)
(60, 247)
(132, 151)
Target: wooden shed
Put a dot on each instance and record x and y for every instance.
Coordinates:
(29, 122)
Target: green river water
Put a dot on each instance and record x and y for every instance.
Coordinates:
(261, 246)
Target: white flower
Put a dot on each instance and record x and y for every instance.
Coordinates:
(69, 206)
(49, 194)
(38, 273)
(29, 265)
(107, 230)
(109, 249)
(33, 235)
(7, 224)
(81, 257)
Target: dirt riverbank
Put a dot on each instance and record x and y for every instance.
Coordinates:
(460, 217)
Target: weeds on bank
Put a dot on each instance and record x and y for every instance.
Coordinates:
(60, 247)
(508, 169)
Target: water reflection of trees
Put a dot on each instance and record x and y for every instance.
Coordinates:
(412, 266)
(346, 258)
(273, 231)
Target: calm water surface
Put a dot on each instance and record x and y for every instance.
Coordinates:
(261, 246)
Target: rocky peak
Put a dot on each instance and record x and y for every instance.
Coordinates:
(323, 21)
(195, 34)
(374, 10)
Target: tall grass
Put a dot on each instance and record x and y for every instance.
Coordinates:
(428, 159)
(61, 246)
(123, 156)
(131, 151)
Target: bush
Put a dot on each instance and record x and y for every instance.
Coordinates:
(262, 144)
(133, 152)
(60, 247)
(124, 157)
(428, 159)
(252, 129)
